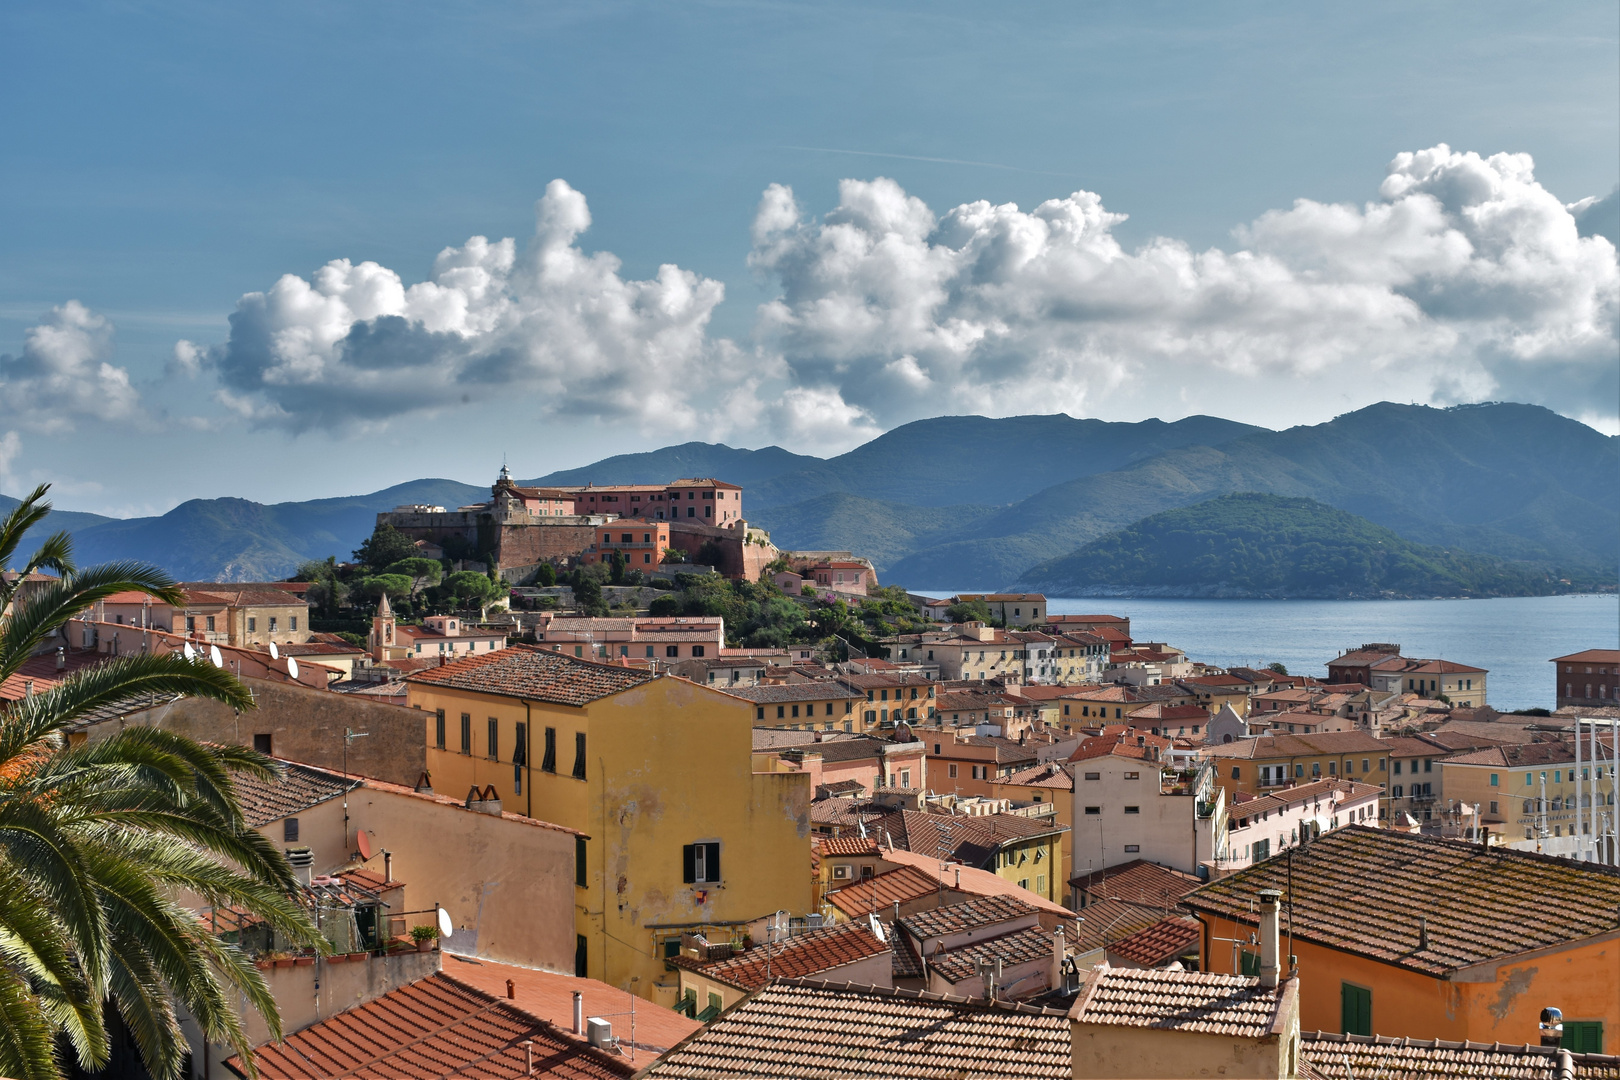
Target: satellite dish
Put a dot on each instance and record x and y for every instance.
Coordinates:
(275, 653)
(446, 927)
(214, 657)
(292, 668)
(188, 651)
(364, 842)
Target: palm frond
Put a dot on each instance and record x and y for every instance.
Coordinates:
(24, 516)
(34, 620)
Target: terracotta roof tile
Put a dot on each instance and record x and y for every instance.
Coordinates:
(881, 892)
(1138, 882)
(968, 915)
(434, 1028)
(805, 954)
(1363, 891)
(1160, 943)
(806, 1028)
(848, 845)
(1178, 1001)
(1018, 947)
(528, 671)
(1103, 922)
(298, 789)
(1346, 1057)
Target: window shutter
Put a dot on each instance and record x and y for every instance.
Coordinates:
(688, 864)
(579, 755)
(712, 859)
(548, 763)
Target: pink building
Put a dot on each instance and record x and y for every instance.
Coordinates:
(1265, 825)
(842, 576)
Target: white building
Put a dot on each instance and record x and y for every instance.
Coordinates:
(1131, 802)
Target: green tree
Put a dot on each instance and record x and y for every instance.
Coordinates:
(468, 588)
(711, 554)
(396, 586)
(616, 568)
(384, 546)
(327, 591)
(969, 611)
(587, 583)
(423, 573)
(545, 575)
(1279, 668)
(97, 839)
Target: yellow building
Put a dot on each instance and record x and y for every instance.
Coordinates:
(1052, 783)
(1520, 788)
(681, 836)
(1262, 764)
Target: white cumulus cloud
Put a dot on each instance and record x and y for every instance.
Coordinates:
(64, 374)
(1464, 280)
(549, 329)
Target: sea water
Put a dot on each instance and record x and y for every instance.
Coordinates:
(1511, 637)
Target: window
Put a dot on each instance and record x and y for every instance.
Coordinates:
(579, 755)
(1093, 776)
(1355, 1009)
(1428, 764)
(261, 742)
(1397, 791)
(1129, 848)
(781, 711)
(1262, 850)
(548, 762)
(209, 621)
(253, 624)
(191, 623)
(1494, 810)
(1133, 776)
(1133, 809)
(289, 830)
(700, 863)
(952, 770)
(672, 651)
(697, 650)
(1493, 781)
(1093, 811)
(580, 878)
(493, 745)
(1237, 772)
(466, 733)
(1583, 1036)
(581, 957)
(1249, 963)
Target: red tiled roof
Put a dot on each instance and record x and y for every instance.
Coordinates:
(848, 845)
(1345, 1057)
(1160, 943)
(881, 892)
(972, 914)
(807, 1028)
(550, 996)
(1138, 882)
(1179, 1001)
(1054, 774)
(801, 956)
(1590, 656)
(1018, 947)
(434, 1028)
(1363, 891)
(529, 671)
(972, 880)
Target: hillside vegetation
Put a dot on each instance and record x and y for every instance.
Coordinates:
(1255, 545)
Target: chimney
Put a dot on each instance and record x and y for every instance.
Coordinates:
(1269, 967)
(61, 658)
(579, 1013)
(511, 990)
(388, 867)
(302, 861)
(1054, 979)
(1423, 933)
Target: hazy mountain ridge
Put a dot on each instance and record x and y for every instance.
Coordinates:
(967, 499)
(1276, 547)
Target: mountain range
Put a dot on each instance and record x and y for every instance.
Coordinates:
(971, 502)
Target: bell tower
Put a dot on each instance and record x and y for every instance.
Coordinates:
(382, 630)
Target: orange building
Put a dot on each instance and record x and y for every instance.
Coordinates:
(703, 501)
(642, 542)
(1415, 937)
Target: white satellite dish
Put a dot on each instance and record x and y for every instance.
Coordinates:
(188, 651)
(446, 927)
(292, 668)
(275, 653)
(214, 657)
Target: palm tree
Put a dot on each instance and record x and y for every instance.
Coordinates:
(99, 842)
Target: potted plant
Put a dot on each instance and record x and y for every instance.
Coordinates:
(424, 937)
(303, 961)
(337, 958)
(356, 957)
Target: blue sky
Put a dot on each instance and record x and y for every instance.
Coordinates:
(161, 160)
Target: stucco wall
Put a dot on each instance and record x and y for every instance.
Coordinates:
(1119, 1051)
(304, 724)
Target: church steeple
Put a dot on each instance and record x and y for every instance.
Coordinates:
(382, 630)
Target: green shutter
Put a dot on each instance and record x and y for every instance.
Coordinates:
(1583, 1036)
(1355, 1009)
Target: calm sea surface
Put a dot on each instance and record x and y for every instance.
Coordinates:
(1513, 637)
